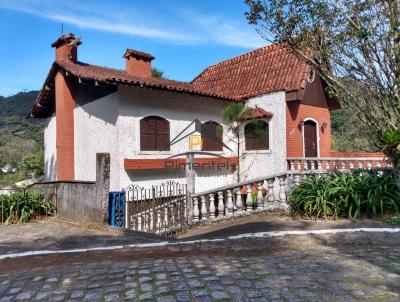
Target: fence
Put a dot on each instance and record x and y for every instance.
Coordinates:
(160, 209)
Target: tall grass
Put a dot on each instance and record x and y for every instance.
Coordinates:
(23, 206)
(346, 195)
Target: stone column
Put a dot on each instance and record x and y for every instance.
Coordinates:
(102, 185)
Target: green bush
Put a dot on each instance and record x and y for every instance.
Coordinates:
(23, 206)
(346, 195)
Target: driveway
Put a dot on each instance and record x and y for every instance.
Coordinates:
(354, 267)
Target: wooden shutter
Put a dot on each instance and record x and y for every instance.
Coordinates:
(154, 134)
(211, 133)
(257, 136)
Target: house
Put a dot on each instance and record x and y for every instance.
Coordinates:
(134, 117)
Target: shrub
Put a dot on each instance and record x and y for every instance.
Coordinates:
(23, 206)
(346, 195)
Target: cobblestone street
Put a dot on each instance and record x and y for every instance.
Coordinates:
(347, 273)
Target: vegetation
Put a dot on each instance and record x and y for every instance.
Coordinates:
(346, 195)
(24, 206)
(157, 73)
(394, 220)
(21, 139)
(355, 48)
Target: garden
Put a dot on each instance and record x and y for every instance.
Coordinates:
(23, 206)
(344, 195)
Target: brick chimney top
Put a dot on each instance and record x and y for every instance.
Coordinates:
(138, 54)
(66, 47)
(138, 63)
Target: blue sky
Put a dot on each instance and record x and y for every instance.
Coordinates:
(185, 36)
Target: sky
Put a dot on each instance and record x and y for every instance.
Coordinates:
(185, 36)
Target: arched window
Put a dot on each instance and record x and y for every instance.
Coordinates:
(257, 135)
(154, 134)
(211, 134)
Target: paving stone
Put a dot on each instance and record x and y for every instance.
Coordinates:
(24, 295)
(182, 297)
(220, 295)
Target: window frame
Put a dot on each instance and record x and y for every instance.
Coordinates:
(221, 147)
(140, 148)
(268, 150)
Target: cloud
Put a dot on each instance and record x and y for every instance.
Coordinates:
(193, 27)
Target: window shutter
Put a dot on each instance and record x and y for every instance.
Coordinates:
(162, 135)
(154, 134)
(257, 136)
(211, 132)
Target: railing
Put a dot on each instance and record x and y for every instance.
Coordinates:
(161, 209)
(250, 196)
(327, 164)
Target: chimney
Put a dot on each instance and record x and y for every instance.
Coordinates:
(67, 48)
(138, 63)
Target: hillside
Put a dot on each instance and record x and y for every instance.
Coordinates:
(21, 139)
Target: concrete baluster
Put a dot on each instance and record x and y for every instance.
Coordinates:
(212, 206)
(282, 191)
(271, 194)
(369, 165)
(229, 203)
(260, 203)
(195, 209)
(305, 165)
(239, 203)
(291, 165)
(203, 209)
(360, 164)
(221, 206)
(297, 180)
(249, 199)
(312, 165)
(351, 164)
(319, 163)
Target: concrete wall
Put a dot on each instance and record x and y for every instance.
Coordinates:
(79, 200)
(96, 132)
(73, 200)
(50, 151)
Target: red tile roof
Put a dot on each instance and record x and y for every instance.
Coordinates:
(116, 76)
(255, 113)
(264, 70)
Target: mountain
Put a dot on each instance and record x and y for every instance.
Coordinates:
(21, 139)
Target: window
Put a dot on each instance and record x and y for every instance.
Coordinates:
(154, 134)
(211, 134)
(257, 135)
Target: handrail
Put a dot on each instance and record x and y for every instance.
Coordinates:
(240, 184)
(336, 158)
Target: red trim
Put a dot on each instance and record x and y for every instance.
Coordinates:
(147, 164)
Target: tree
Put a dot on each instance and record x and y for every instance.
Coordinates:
(157, 73)
(233, 114)
(355, 48)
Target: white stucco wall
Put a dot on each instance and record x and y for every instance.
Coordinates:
(96, 132)
(111, 124)
(50, 149)
(259, 163)
(180, 110)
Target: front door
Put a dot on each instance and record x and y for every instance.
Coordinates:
(310, 139)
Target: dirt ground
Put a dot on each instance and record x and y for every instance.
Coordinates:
(56, 234)
(266, 222)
